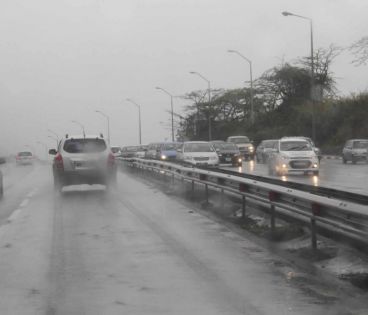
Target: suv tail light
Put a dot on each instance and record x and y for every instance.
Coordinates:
(111, 160)
(59, 164)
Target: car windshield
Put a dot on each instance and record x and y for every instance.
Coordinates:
(360, 144)
(198, 147)
(227, 146)
(239, 140)
(115, 149)
(24, 154)
(84, 145)
(295, 146)
(169, 146)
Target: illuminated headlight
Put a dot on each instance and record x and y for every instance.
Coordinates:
(284, 166)
(315, 165)
(251, 148)
(240, 160)
(163, 157)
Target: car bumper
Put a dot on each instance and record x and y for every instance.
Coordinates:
(85, 177)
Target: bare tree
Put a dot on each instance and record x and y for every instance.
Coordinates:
(360, 51)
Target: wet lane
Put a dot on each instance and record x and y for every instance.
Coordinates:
(333, 174)
(137, 251)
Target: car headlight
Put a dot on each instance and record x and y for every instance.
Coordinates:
(163, 157)
(315, 165)
(189, 158)
(251, 148)
(213, 158)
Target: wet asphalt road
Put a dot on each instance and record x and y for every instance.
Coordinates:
(333, 174)
(135, 250)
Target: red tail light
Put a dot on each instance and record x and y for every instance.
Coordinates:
(111, 160)
(59, 161)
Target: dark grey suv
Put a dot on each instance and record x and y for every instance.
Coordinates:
(355, 150)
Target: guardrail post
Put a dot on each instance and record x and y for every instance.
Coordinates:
(272, 213)
(316, 210)
(244, 204)
(272, 196)
(314, 233)
(222, 200)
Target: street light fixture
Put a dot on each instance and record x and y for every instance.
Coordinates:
(79, 124)
(286, 13)
(172, 111)
(108, 123)
(139, 118)
(251, 82)
(209, 102)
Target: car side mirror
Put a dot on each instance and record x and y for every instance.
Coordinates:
(52, 152)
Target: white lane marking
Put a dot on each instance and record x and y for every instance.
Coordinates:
(24, 203)
(14, 215)
(32, 193)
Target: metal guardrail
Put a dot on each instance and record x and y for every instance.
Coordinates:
(345, 219)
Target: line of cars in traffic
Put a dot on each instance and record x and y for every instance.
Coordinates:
(283, 156)
(199, 153)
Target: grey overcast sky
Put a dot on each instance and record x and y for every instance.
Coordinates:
(63, 59)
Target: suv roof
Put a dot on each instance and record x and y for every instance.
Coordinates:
(83, 137)
(293, 139)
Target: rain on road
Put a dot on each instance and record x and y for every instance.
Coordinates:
(133, 251)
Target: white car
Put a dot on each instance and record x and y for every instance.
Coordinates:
(245, 146)
(198, 153)
(24, 158)
(83, 160)
(116, 151)
(293, 155)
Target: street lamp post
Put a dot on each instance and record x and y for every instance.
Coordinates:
(139, 118)
(79, 124)
(285, 13)
(209, 102)
(172, 111)
(108, 124)
(251, 83)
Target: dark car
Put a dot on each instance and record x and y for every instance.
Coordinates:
(264, 149)
(228, 153)
(355, 150)
(128, 152)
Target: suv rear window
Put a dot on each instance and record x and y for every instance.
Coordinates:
(360, 144)
(238, 139)
(84, 145)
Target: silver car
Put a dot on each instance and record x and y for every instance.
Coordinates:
(355, 150)
(83, 160)
(293, 155)
(24, 158)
